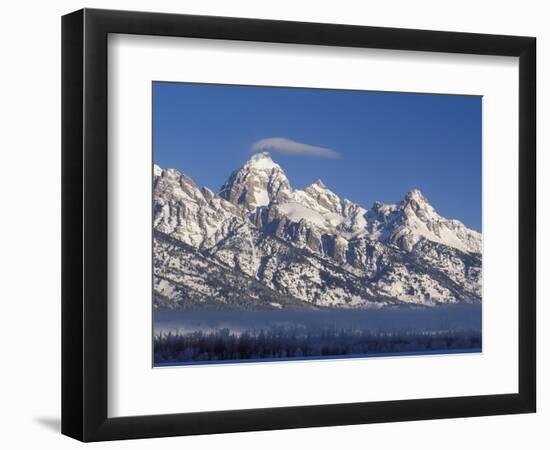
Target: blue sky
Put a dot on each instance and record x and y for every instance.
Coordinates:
(374, 145)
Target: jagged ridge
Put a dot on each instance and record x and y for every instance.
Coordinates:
(311, 246)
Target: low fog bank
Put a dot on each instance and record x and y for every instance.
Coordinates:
(396, 320)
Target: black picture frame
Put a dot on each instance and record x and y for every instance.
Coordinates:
(84, 224)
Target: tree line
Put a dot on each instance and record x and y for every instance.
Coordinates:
(294, 342)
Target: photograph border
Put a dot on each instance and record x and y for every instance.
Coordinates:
(85, 235)
(281, 359)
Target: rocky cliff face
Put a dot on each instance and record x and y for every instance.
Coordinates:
(259, 244)
(259, 182)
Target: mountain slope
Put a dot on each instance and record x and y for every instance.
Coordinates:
(179, 282)
(309, 247)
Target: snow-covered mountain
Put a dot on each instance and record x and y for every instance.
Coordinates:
(260, 244)
(259, 182)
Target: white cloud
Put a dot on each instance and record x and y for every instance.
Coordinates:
(289, 147)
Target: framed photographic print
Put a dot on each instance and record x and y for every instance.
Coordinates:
(273, 224)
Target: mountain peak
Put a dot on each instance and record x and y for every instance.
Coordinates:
(415, 203)
(261, 161)
(415, 194)
(259, 156)
(319, 183)
(415, 199)
(322, 197)
(259, 182)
